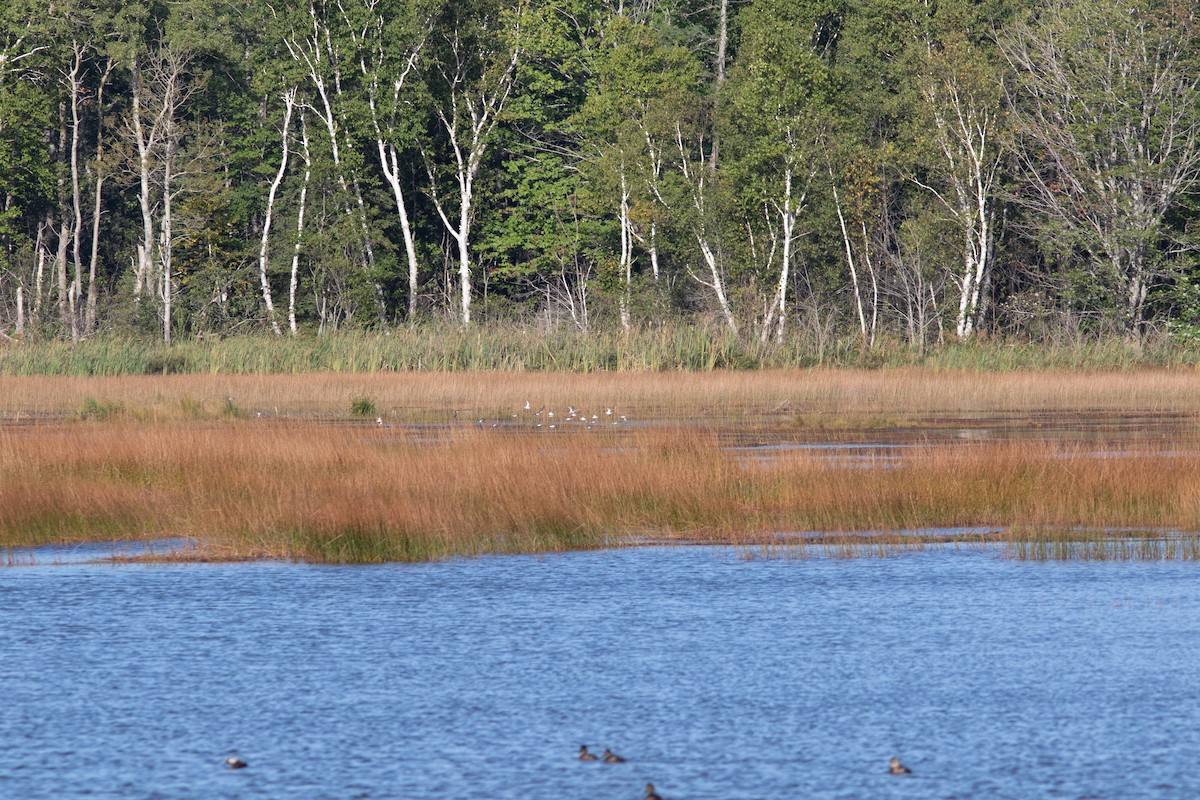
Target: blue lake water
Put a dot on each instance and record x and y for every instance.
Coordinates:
(717, 676)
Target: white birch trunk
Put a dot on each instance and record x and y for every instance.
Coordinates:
(289, 104)
(695, 180)
(295, 276)
(145, 140)
(626, 258)
(40, 271)
(74, 88)
(474, 104)
(60, 268)
(963, 128)
(89, 323)
(166, 237)
(846, 241)
(389, 162)
(313, 53)
(787, 220)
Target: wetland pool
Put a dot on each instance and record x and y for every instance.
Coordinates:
(715, 674)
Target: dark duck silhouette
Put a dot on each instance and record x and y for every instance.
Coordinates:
(235, 763)
(896, 768)
(584, 755)
(651, 794)
(612, 758)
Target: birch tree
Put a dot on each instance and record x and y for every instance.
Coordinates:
(26, 151)
(627, 123)
(779, 91)
(391, 39)
(289, 107)
(160, 91)
(694, 147)
(471, 73)
(962, 108)
(1105, 105)
(325, 42)
(85, 32)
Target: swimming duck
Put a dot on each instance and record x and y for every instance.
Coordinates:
(612, 758)
(650, 793)
(896, 768)
(235, 763)
(584, 755)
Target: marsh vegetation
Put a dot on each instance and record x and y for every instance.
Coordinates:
(786, 463)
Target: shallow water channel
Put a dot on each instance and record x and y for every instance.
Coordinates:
(716, 675)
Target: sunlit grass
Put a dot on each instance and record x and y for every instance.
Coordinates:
(808, 398)
(256, 488)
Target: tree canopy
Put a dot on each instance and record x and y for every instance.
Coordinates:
(894, 168)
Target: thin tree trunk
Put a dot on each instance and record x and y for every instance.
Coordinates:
(654, 248)
(846, 241)
(874, 283)
(696, 183)
(295, 278)
(289, 102)
(145, 249)
(389, 162)
(40, 271)
(89, 324)
(787, 217)
(719, 80)
(165, 240)
(60, 268)
(626, 260)
(76, 288)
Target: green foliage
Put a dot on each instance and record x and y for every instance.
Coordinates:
(564, 117)
(362, 407)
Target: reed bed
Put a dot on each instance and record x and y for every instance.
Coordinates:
(675, 345)
(801, 398)
(363, 493)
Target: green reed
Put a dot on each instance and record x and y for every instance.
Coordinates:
(450, 348)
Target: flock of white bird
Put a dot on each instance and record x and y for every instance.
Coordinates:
(549, 419)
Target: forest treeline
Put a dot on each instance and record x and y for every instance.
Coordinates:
(899, 170)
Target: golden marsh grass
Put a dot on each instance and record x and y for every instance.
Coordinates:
(265, 488)
(819, 397)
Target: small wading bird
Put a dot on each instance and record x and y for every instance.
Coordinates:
(896, 768)
(612, 758)
(584, 755)
(650, 793)
(235, 763)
